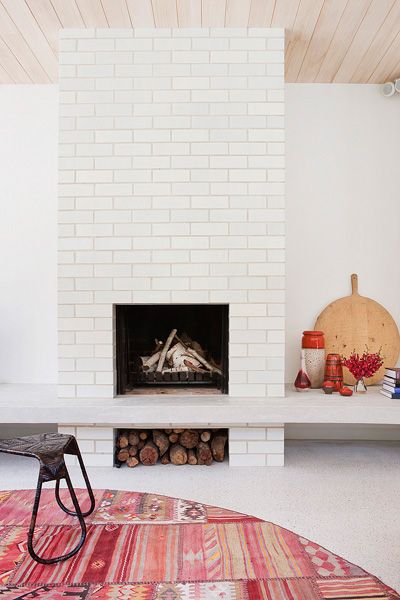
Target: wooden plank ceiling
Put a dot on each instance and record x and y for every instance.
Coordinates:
(340, 41)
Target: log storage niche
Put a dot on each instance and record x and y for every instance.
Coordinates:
(172, 348)
(148, 447)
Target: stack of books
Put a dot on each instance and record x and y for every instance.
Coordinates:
(391, 383)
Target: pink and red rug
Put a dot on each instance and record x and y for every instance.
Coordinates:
(150, 547)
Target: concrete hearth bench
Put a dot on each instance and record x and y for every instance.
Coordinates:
(256, 425)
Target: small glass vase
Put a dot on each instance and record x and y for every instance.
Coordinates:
(359, 386)
(302, 382)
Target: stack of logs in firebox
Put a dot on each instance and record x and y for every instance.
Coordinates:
(176, 446)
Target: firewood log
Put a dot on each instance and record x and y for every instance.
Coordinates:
(205, 436)
(193, 367)
(165, 459)
(143, 435)
(218, 446)
(193, 344)
(123, 440)
(178, 430)
(123, 455)
(178, 455)
(151, 361)
(133, 450)
(133, 438)
(189, 438)
(192, 459)
(158, 344)
(167, 431)
(182, 349)
(165, 350)
(173, 437)
(186, 340)
(132, 462)
(204, 455)
(203, 361)
(141, 444)
(161, 441)
(172, 350)
(149, 454)
(177, 357)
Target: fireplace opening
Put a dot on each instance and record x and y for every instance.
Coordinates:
(172, 348)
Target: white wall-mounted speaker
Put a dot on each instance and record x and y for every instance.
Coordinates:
(388, 88)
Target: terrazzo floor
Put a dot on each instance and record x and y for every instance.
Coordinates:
(343, 495)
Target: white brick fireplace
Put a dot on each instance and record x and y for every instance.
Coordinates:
(171, 178)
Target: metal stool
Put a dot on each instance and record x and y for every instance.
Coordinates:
(49, 450)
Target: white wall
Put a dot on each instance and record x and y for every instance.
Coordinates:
(343, 209)
(343, 146)
(28, 202)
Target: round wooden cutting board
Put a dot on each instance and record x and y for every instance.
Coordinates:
(356, 322)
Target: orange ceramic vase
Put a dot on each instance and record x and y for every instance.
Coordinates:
(313, 339)
(313, 345)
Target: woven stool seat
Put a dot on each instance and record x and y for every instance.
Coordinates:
(49, 449)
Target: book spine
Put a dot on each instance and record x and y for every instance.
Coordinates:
(391, 388)
(391, 381)
(393, 373)
(389, 395)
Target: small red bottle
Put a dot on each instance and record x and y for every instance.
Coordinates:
(302, 382)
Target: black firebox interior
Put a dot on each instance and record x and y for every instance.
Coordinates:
(138, 326)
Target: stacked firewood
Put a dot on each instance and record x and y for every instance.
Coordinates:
(176, 446)
(178, 354)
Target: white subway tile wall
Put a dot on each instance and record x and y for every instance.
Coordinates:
(257, 446)
(172, 190)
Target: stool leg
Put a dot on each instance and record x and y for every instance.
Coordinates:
(50, 561)
(88, 487)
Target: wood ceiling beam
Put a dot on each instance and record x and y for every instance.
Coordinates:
(189, 13)
(303, 29)
(213, 13)
(346, 30)
(285, 12)
(328, 21)
(165, 13)
(22, 17)
(19, 47)
(5, 77)
(12, 66)
(117, 13)
(68, 13)
(370, 24)
(47, 19)
(92, 13)
(261, 13)
(141, 13)
(338, 41)
(387, 68)
(380, 44)
(238, 12)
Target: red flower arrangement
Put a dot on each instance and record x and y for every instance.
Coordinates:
(364, 365)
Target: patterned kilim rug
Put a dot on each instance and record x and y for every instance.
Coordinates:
(150, 547)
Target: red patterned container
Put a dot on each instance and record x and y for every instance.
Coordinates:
(313, 344)
(333, 370)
